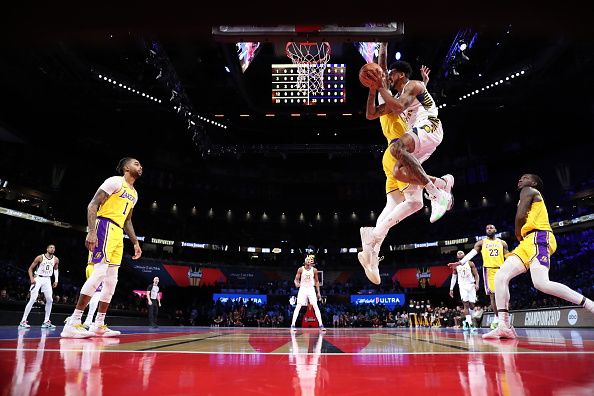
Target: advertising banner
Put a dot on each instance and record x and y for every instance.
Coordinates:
(389, 300)
(546, 317)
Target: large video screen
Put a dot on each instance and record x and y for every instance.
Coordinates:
(285, 89)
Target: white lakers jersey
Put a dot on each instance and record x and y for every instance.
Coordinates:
(46, 267)
(465, 276)
(307, 277)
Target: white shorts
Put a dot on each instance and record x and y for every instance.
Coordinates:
(42, 283)
(468, 293)
(426, 141)
(306, 295)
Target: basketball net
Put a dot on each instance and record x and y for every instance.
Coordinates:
(311, 60)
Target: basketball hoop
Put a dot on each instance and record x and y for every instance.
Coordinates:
(311, 60)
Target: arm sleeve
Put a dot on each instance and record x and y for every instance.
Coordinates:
(468, 256)
(56, 272)
(112, 184)
(453, 282)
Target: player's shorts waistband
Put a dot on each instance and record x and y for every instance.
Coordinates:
(110, 220)
(531, 231)
(44, 276)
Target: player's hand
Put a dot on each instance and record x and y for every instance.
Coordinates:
(159, 303)
(55, 285)
(476, 286)
(150, 302)
(454, 264)
(452, 293)
(319, 297)
(137, 251)
(91, 241)
(425, 74)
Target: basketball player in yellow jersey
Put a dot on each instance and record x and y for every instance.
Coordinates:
(109, 215)
(537, 244)
(493, 251)
(401, 201)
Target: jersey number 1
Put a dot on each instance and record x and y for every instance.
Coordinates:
(124, 212)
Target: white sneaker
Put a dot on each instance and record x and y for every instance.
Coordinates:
(75, 331)
(48, 325)
(449, 179)
(322, 329)
(502, 331)
(24, 324)
(103, 331)
(293, 329)
(440, 205)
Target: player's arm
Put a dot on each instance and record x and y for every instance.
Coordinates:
(98, 199)
(317, 284)
(383, 56)
(453, 281)
(526, 198)
(404, 101)
(372, 111)
(56, 272)
(425, 74)
(505, 247)
(158, 299)
(34, 264)
(297, 280)
(475, 275)
(478, 246)
(129, 230)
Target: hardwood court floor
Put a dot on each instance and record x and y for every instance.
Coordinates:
(250, 361)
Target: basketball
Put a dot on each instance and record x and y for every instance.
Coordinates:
(364, 69)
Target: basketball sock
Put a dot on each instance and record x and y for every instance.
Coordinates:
(295, 314)
(100, 319)
(432, 190)
(92, 308)
(504, 317)
(318, 314)
(75, 317)
(469, 320)
(28, 309)
(48, 310)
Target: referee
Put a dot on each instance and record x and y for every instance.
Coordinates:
(154, 301)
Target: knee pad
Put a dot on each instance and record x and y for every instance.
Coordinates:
(92, 283)
(109, 284)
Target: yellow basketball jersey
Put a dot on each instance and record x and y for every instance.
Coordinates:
(393, 126)
(119, 204)
(89, 270)
(492, 252)
(538, 218)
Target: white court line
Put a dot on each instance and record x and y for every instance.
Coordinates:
(312, 353)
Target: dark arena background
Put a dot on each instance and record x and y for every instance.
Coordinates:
(245, 174)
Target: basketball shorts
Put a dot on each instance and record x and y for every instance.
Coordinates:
(427, 138)
(489, 279)
(307, 295)
(43, 283)
(110, 243)
(389, 162)
(467, 292)
(539, 245)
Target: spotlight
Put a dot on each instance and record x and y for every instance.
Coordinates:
(463, 45)
(159, 75)
(398, 55)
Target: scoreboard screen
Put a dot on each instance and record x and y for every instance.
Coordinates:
(285, 90)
